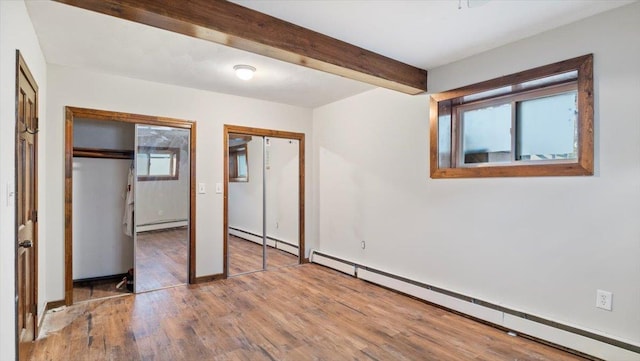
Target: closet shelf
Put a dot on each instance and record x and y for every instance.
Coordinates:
(102, 153)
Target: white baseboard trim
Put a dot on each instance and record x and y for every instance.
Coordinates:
(586, 341)
(336, 265)
(159, 226)
(271, 242)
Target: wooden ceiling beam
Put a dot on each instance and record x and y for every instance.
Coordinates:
(239, 27)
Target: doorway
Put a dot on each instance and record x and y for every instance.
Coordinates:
(264, 199)
(159, 236)
(26, 206)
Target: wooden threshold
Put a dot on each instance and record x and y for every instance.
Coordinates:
(242, 28)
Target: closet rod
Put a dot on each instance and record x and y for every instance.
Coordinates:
(102, 153)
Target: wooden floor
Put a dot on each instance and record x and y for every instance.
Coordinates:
(161, 259)
(305, 312)
(246, 256)
(84, 291)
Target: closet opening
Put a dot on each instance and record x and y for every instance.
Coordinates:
(129, 203)
(263, 199)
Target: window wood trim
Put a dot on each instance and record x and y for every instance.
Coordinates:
(233, 154)
(166, 150)
(584, 163)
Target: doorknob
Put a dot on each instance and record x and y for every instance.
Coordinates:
(25, 244)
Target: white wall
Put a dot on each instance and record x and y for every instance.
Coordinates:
(91, 133)
(541, 245)
(282, 190)
(16, 32)
(100, 247)
(245, 198)
(82, 88)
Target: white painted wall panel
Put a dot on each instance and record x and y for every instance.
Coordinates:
(245, 198)
(100, 247)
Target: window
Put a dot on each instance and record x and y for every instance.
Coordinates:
(157, 163)
(535, 123)
(238, 163)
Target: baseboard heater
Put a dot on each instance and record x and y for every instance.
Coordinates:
(271, 241)
(578, 340)
(152, 226)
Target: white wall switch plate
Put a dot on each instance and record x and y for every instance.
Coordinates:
(202, 188)
(604, 299)
(218, 188)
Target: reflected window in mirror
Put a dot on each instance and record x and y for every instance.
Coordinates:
(238, 164)
(157, 163)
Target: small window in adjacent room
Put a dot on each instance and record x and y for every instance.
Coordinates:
(157, 163)
(238, 164)
(535, 123)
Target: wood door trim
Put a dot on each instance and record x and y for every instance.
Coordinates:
(22, 67)
(106, 115)
(301, 183)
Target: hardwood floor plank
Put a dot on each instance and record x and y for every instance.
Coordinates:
(161, 259)
(246, 256)
(305, 312)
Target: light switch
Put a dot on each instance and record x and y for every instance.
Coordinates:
(202, 188)
(218, 188)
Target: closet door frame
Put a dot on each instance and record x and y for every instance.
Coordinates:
(260, 132)
(105, 115)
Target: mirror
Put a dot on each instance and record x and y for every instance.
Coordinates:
(245, 240)
(281, 172)
(161, 204)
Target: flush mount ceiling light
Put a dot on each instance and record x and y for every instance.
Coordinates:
(244, 72)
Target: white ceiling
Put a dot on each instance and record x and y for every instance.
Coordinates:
(424, 33)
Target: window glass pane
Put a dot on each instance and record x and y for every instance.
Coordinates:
(160, 165)
(547, 128)
(444, 141)
(142, 164)
(486, 134)
(242, 165)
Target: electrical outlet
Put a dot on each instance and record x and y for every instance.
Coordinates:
(604, 299)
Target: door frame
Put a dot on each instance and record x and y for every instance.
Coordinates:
(105, 115)
(22, 67)
(260, 132)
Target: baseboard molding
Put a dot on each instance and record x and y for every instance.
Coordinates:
(53, 304)
(101, 278)
(567, 337)
(271, 241)
(47, 306)
(161, 225)
(209, 278)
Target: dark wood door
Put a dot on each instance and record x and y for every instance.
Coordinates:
(26, 203)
